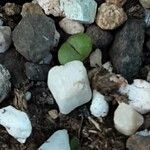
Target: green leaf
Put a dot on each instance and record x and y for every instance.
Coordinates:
(74, 144)
(77, 47)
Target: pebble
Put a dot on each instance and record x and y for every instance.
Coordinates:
(101, 39)
(69, 85)
(137, 142)
(71, 26)
(126, 57)
(12, 9)
(51, 7)
(96, 58)
(53, 114)
(147, 17)
(127, 120)
(34, 37)
(108, 66)
(79, 10)
(56, 38)
(148, 76)
(99, 106)
(5, 38)
(47, 60)
(28, 96)
(16, 123)
(31, 8)
(36, 72)
(139, 95)
(145, 3)
(117, 2)
(60, 139)
(5, 84)
(110, 16)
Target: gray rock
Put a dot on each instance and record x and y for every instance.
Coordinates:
(1, 22)
(147, 17)
(36, 72)
(34, 36)
(137, 142)
(5, 85)
(5, 38)
(101, 39)
(127, 47)
(148, 45)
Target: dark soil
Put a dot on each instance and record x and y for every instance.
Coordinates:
(79, 123)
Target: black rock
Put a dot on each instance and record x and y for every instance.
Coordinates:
(148, 45)
(36, 72)
(126, 51)
(101, 39)
(34, 36)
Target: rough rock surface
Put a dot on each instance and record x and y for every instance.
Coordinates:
(31, 8)
(5, 38)
(110, 16)
(36, 72)
(5, 85)
(137, 142)
(34, 37)
(117, 2)
(80, 10)
(145, 3)
(126, 51)
(101, 39)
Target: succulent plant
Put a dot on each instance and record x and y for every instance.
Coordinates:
(77, 47)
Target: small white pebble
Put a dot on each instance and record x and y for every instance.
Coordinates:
(28, 95)
(99, 106)
(139, 95)
(108, 66)
(144, 133)
(16, 123)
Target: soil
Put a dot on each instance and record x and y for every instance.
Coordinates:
(92, 133)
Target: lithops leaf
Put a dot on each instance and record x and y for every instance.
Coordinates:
(77, 47)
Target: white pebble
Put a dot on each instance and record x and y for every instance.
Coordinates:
(51, 7)
(69, 85)
(108, 66)
(99, 106)
(5, 38)
(16, 123)
(28, 95)
(71, 26)
(144, 133)
(58, 141)
(127, 120)
(139, 95)
(96, 58)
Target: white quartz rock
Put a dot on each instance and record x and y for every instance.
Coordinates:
(81, 10)
(96, 58)
(139, 95)
(5, 38)
(127, 120)
(99, 106)
(58, 141)
(71, 26)
(16, 123)
(51, 7)
(69, 85)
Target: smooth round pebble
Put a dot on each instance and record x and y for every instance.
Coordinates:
(71, 26)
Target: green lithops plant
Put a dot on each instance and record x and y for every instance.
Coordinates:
(77, 47)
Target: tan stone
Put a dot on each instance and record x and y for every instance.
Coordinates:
(145, 3)
(127, 120)
(110, 16)
(116, 2)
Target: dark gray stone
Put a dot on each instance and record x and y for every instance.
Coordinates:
(126, 51)
(34, 36)
(101, 39)
(36, 72)
(148, 45)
